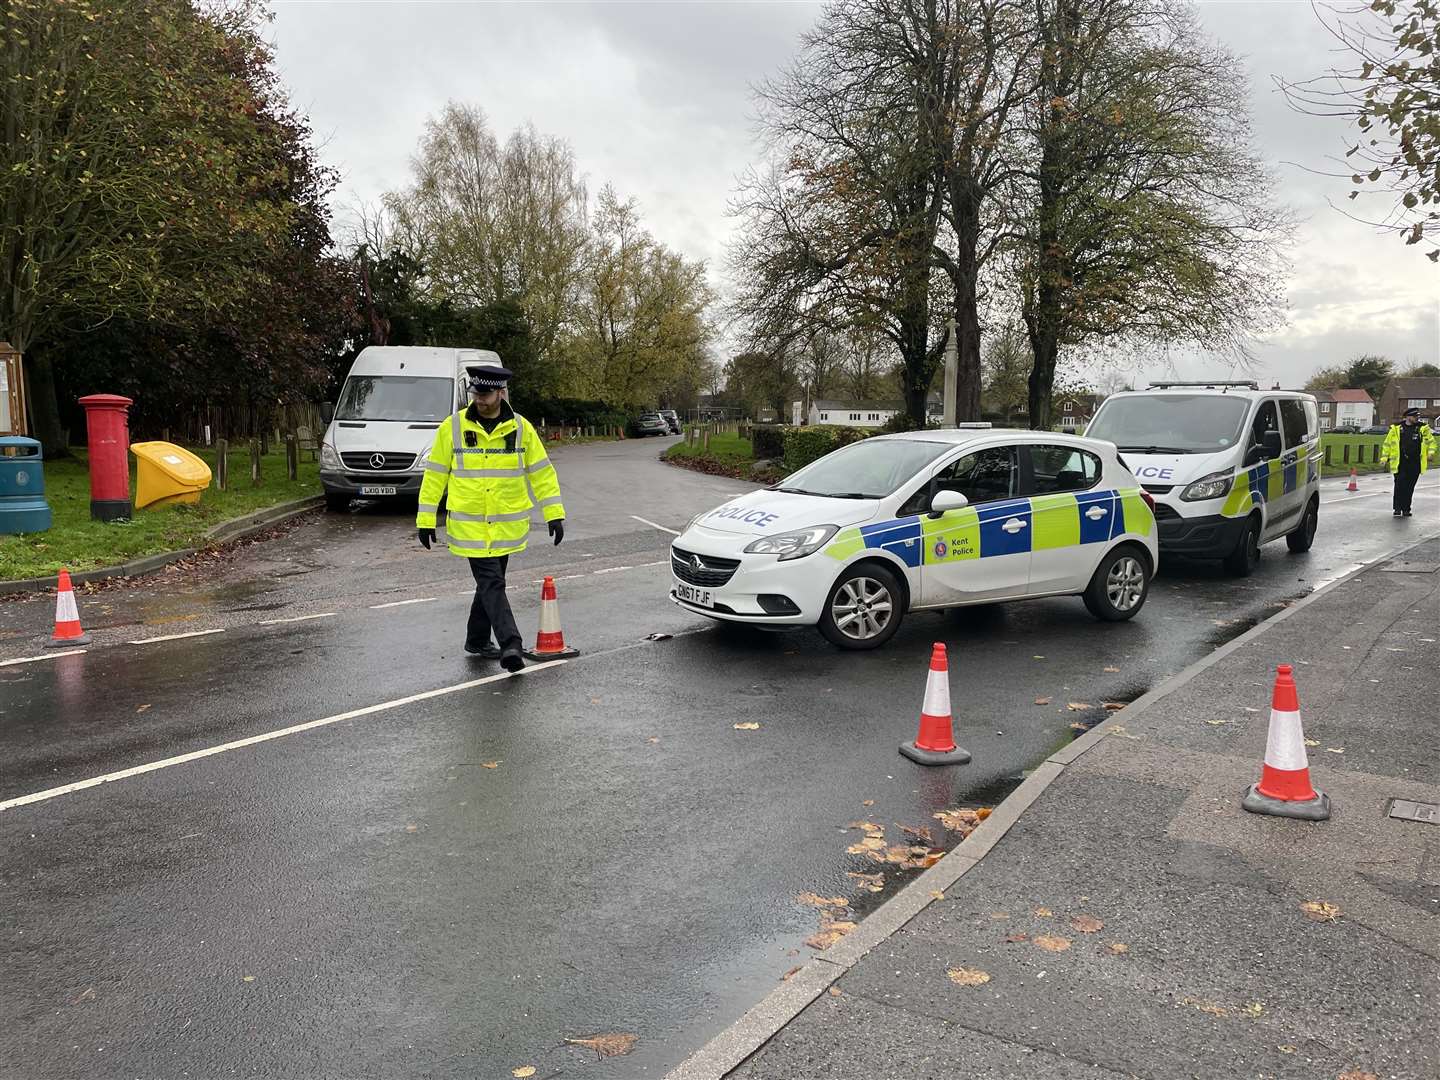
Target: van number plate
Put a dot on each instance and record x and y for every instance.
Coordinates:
(377, 489)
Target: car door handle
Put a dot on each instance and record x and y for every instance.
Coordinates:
(1095, 513)
(1014, 525)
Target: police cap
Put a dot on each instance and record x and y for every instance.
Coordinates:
(489, 378)
(1412, 412)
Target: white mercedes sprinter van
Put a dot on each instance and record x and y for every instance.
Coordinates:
(378, 433)
(1231, 466)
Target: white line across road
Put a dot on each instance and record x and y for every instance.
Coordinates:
(253, 740)
(176, 637)
(402, 603)
(46, 656)
(298, 618)
(652, 524)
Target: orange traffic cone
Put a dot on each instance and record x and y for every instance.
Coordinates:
(550, 641)
(935, 743)
(1284, 788)
(1352, 486)
(67, 616)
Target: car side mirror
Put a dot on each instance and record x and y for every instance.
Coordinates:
(947, 500)
(327, 411)
(1271, 442)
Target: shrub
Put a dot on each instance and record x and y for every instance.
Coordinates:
(806, 444)
(768, 440)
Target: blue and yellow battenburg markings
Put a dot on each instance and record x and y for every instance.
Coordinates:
(1269, 480)
(978, 532)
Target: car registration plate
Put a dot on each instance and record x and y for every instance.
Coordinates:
(692, 595)
(377, 489)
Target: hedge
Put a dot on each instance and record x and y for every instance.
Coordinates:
(767, 441)
(806, 444)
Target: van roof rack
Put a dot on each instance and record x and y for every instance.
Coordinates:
(1209, 384)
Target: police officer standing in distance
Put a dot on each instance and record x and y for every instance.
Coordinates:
(494, 467)
(1408, 447)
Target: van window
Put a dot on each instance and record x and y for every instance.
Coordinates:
(1171, 423)
(1266, 419)
(1292, 415)
(1062, 468)
(395, 397)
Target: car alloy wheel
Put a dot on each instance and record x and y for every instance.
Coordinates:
(1125, 583)
(862, 608)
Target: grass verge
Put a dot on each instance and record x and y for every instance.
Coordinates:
(76, 542)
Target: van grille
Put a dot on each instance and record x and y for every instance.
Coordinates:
(713, 573)
(1166, 513)
(371, 461)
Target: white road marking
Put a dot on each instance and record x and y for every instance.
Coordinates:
(652, 524)
(176, 637)
(47, 656)
(297, 618)
(402, 603)
(253, 740)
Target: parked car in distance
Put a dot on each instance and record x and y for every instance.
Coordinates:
(1376, 429)
(1345, 429)
(671, 417)
(651, 424)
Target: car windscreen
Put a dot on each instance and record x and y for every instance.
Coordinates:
(395, 397)
(1170, 423)
(871, 469)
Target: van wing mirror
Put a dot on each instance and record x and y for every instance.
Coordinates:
(327, 411)
(947, 500)
(1271, 442)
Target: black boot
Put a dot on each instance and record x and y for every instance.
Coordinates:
(510, 657)
(489, 651)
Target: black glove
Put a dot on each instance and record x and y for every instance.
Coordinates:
(426, 535)
(557, 529)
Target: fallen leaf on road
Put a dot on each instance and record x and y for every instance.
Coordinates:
(612, 1045)
(1205, 1006)
(870, 843)
(523, 1071)
(1114, 706)
(1254, 1009)
(750, 726)
(1086, 924)
(822, 901)
(594, 701)
(412, 828)
(869, 882)
(961, 821)
(1078, 706)
(1076, 725)
(1042, 701)
(1015, 939)
(868, 802)
(1321, 911)
(249, 978)
(983, 812)
(829, 933)
(936, 894)
(490, 764)
(1357, 1074)
(1334, 749)
(1051, 943)
(1287, 1049)
(1118, 948)
(835, 991)
(1037, 657)
(1043, 913)
(919, 835)
(652, 740)
(791, 973)
(869, 828)
(1312, 742)
(142, 708)
(968, 976)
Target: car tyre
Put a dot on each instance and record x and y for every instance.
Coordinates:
(1303, 535)
(864, 607)
(336, 502)
(1120, 584)
(1242, 561)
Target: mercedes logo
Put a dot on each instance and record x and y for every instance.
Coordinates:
(697, 564)
(377, 461)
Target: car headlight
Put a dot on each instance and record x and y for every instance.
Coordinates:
(420, 460)
(328, 456)
(794, 545)
(1215, 486)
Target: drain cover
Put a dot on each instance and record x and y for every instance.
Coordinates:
(1405, 566)
(1406, 810)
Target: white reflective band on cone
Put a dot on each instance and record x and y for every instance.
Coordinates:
(549, 616)
(65, 609)
(937, 694)
(1285, 745)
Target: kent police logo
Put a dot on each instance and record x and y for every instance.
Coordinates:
(940, 549)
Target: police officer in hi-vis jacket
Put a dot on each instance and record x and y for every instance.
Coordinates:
(489, 463)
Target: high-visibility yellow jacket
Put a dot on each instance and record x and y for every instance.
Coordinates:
(492, 485)
(1390, 448)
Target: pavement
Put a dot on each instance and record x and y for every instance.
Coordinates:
(1121, 916)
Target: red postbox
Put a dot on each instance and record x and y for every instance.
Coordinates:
(107, 422)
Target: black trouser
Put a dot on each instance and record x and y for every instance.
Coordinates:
(490, 610)
(1405, 478)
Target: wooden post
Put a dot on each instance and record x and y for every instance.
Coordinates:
(164, 434)
(222, 471)
(292, 458)
(705, 442)
(255, 461)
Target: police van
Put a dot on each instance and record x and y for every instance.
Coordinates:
(1231, 467)
(924, 519)
(393, 399)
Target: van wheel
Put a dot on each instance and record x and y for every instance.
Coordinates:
(336, 504)
(1303, 535)
(864, 608)
(1119, 585)
(1242, 561)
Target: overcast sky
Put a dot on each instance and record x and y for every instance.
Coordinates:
(655, 99)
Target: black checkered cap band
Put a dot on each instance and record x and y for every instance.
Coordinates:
(489, 378)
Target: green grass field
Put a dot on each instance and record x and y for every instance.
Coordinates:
(76, 542)
(726, 449)
(1342, 452)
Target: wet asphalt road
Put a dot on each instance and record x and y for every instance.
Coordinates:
(452, 885)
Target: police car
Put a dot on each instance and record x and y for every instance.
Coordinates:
(925, 519)
(1231, 466)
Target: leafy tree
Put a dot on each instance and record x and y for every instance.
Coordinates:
(1370, 373)
(1422, 371)
(1329, 378)
(1008, 362)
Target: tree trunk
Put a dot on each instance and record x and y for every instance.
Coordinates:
(1045, 347)
(44, 405)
